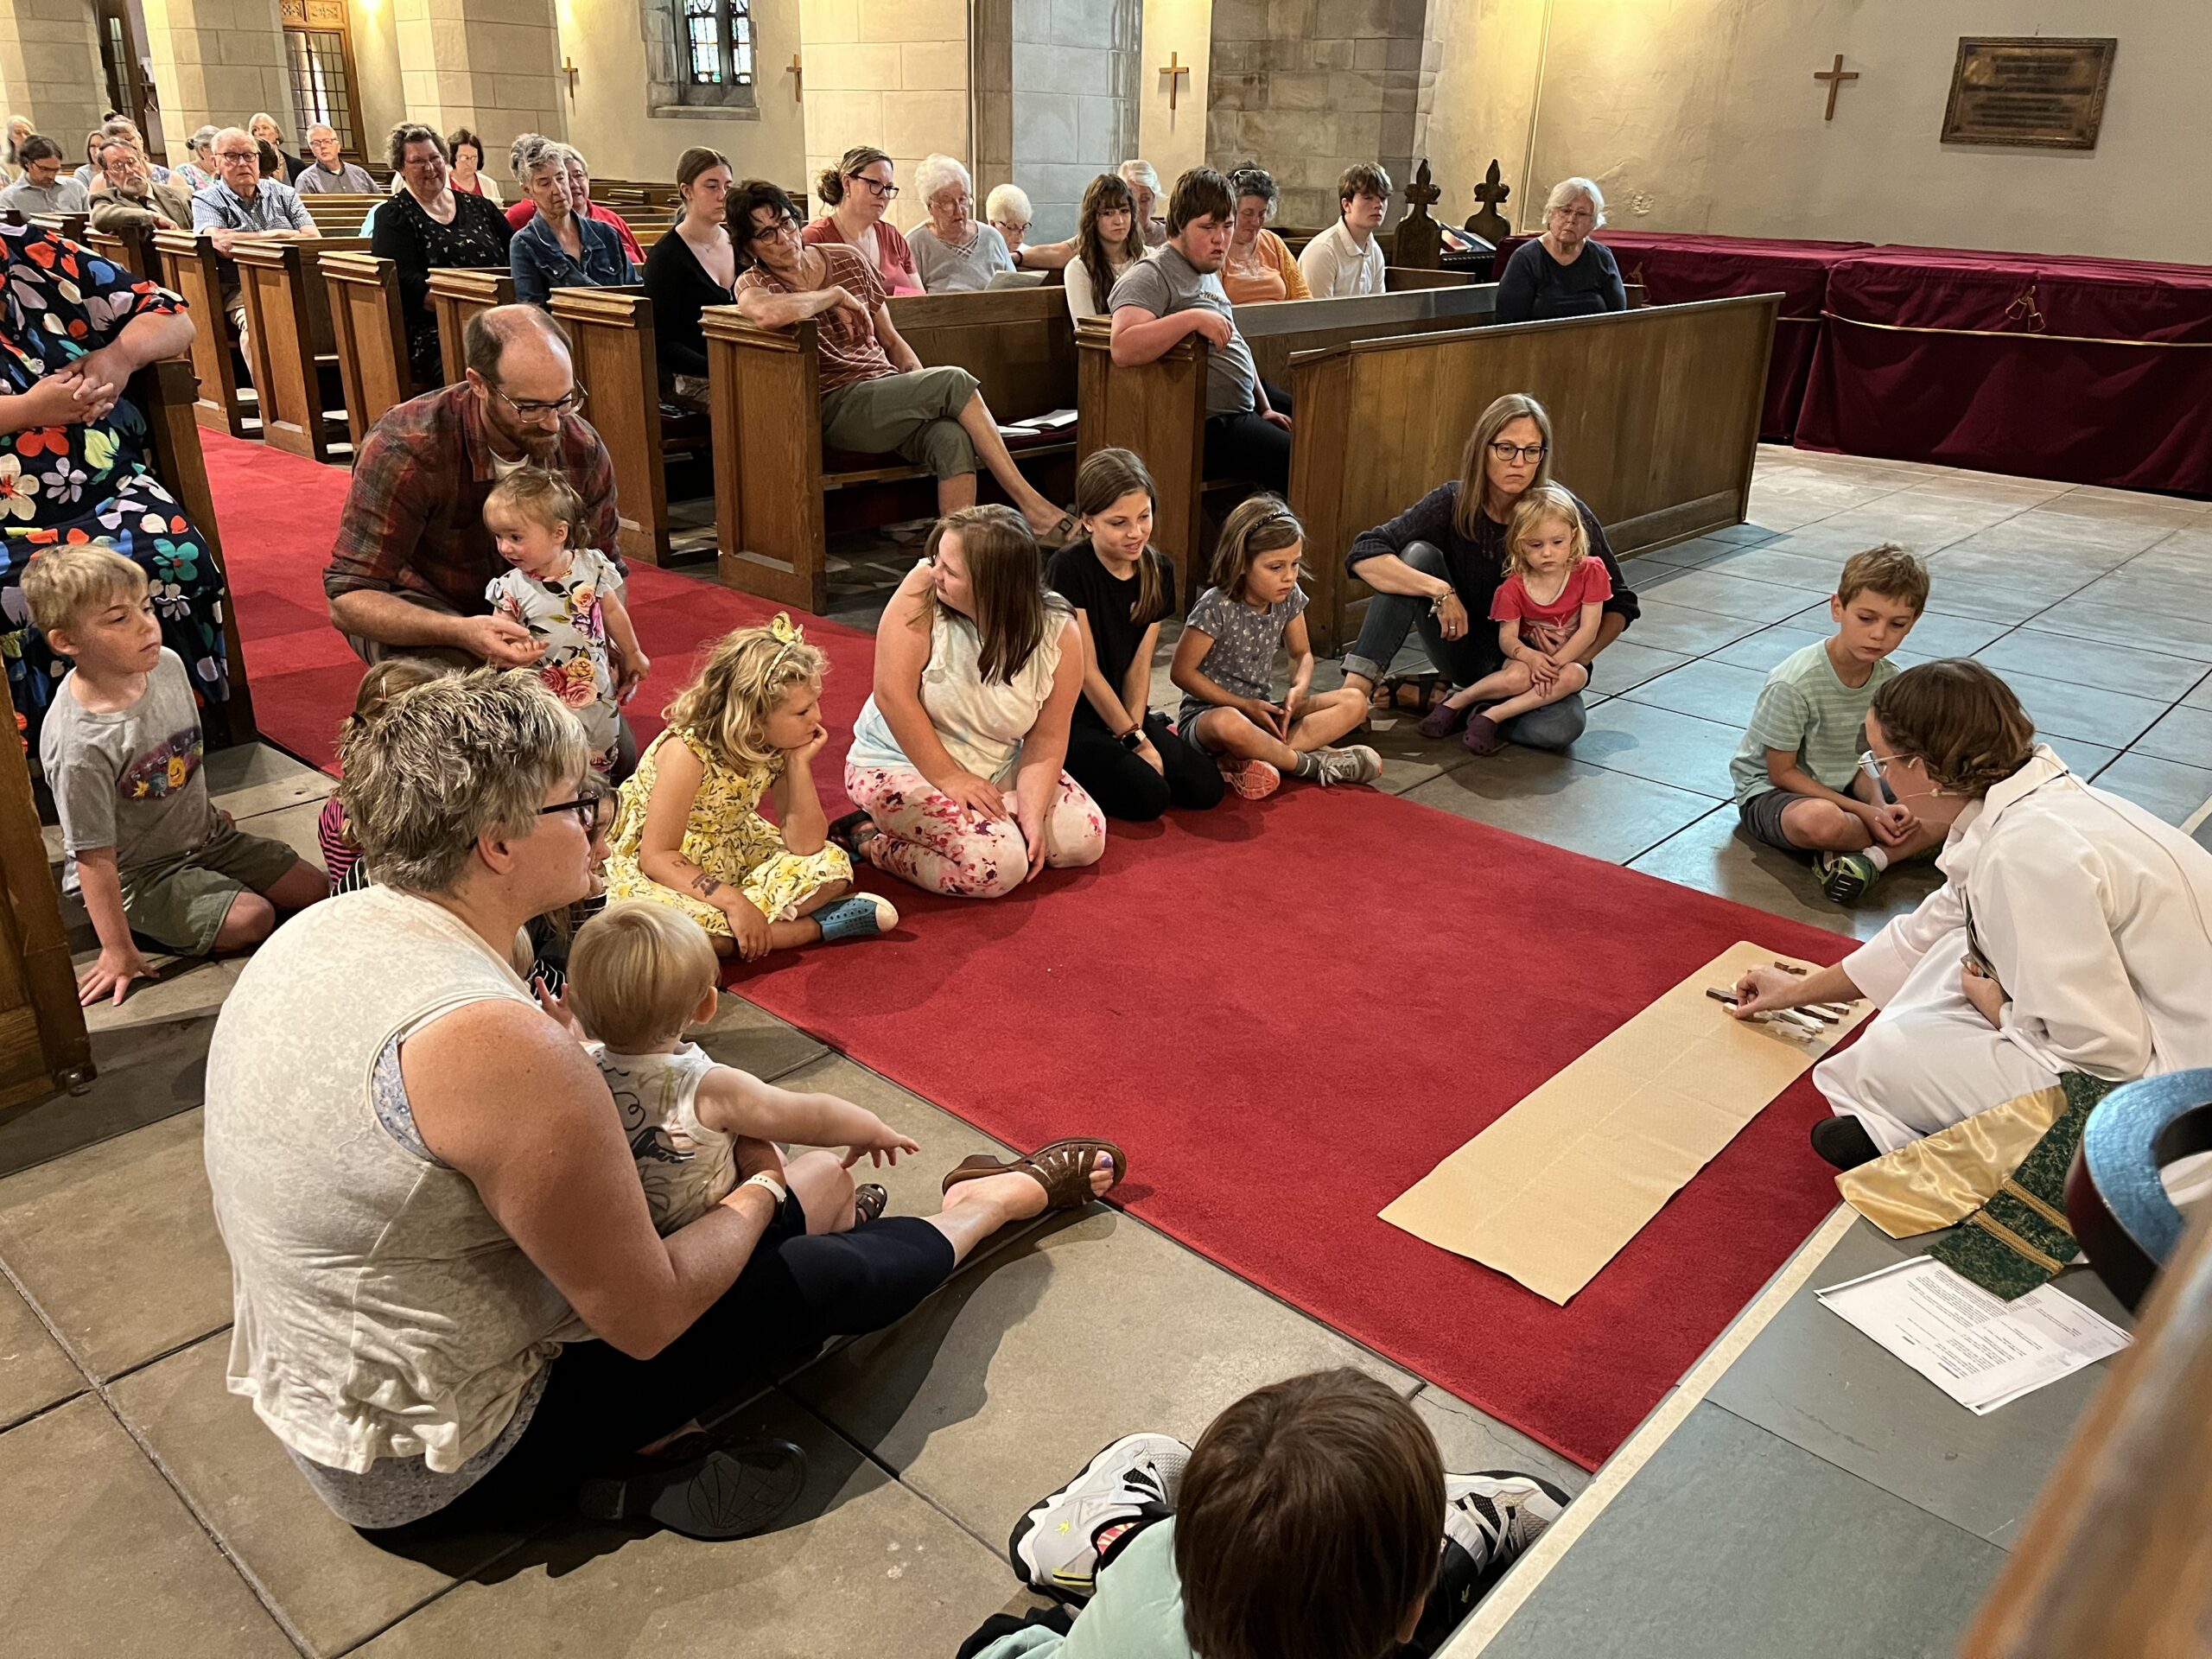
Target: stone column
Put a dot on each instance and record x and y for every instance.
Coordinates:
(50, 70)
(1306, 87)
(492, 66)
(1074, 111)
(217, 61)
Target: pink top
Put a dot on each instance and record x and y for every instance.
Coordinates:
(1547, 627)
(895, 267)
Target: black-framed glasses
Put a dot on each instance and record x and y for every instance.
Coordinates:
(880, 191)
(567, 405)
(589, 810)
(767, 232)
(1505, 451)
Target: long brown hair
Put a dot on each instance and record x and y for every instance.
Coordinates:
(1102, 195)
(1474, 477)
(830, 183)
(1259, 524)
(1960, 721)
(1104, 479)
(1013, 610)
(1305, 1527)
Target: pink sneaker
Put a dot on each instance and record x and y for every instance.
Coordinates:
(1254, 779)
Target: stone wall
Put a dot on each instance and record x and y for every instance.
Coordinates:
(1306, 87)
(216, 60)
(50, 69)
(889, 73)
(492, 66)
(1174, 139)
(1074, 101)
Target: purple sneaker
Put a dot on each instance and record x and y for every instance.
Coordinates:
(1482, 736)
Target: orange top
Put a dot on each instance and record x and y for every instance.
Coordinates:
(1271, 274)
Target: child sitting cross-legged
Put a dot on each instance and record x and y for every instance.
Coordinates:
(688, 832)
(639, 975)
(1800, 784)
(1313, 1520)
(565, 594)
(1225, 665)
(1546, 611)
(121, 749)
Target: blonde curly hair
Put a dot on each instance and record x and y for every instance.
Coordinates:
(746, 675)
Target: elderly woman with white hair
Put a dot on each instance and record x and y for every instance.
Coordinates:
(1563, 273)
(1143, 180)
(452, 1307)
(954, 253)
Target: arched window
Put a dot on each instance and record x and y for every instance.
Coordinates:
(699, 56)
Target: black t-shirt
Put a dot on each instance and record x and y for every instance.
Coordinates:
(1075, 574)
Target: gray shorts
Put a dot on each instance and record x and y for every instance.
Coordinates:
(180, 902)
(915, 415)
(1761, 816)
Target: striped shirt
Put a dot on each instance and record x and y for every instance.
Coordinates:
(1805, 708)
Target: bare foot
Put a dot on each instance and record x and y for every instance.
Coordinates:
(1016, 1196)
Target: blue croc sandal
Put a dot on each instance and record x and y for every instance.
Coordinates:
(862, 916)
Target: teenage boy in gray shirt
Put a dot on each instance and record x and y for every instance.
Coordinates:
(1175, 291)
(121, 748)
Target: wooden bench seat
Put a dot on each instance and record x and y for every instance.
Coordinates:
(457, 293)
(778, 496)
(369, 333)
(289, 335)
(190, 269)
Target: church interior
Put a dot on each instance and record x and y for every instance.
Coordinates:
(1765, 1191)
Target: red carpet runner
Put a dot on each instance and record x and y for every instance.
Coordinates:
(1287, 1012)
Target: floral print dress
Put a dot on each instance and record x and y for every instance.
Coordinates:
(725, 835)
(91, 481)
(565, 612)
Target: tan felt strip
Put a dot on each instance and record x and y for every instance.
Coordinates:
(2011, 1241)
(1551, 1191)
(2011, 1188)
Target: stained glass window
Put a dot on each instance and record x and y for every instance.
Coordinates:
(718, 35)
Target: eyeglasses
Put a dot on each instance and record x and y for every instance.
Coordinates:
(238, 155)
(1874, 765)
(769, 232)
(1517, 451)
(589, 810)
(566, 405)
(880, 191)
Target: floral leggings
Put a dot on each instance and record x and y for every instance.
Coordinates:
(940, 846)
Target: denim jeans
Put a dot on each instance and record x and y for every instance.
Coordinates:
(1391, 617)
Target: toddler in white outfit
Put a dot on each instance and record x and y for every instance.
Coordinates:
(639, 975)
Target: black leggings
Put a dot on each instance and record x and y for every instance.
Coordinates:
(1125, 786)
(600, 1405)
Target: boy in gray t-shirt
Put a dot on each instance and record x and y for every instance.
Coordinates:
(121, 748)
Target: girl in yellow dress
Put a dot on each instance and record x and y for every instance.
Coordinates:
(688, 832)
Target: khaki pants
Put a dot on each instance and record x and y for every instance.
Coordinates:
(915, 415)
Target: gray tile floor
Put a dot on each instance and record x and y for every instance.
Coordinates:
(142, 1509)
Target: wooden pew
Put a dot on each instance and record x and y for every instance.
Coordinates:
(1403, 279)
(370, 336)
(128, 245)
(336, 215)
(616, 360)
(43, 1043)
(1655, 415)
(458, 294)
(190, 268)
(1159, 409)
(166, 395)
(289, 332)
(778, 494)
(73, 225)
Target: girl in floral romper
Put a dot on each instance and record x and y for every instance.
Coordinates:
(688, 832)
(566, 597)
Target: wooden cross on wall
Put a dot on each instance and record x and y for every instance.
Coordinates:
(798, 82)
(1174, 70)
(1835, 76)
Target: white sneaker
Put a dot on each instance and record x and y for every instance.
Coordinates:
(1054, 1547)
(1356, 765)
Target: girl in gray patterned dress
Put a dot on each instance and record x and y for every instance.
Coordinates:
(1225, 665)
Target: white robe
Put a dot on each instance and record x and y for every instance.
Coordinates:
(2093, 915)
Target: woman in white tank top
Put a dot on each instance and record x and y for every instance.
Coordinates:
(451, 1304)
(957, 758)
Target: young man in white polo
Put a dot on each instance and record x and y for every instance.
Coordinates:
(1347, 258)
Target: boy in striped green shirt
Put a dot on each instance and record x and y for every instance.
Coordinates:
(1799, 785)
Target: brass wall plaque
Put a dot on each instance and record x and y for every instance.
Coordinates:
(2030, 90)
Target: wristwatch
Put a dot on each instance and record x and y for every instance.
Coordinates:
(1133, 740)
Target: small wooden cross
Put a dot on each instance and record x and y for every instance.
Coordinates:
(569, 69)
(798, 82)
(1835, 76)
(1174, 70)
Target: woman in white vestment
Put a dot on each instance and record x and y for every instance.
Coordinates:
(2073, 931)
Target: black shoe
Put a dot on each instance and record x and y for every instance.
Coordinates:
(845, 832)
(1844, 1142)
(704, 1486)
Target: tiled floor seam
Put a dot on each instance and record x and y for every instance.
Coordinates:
(100, 1390)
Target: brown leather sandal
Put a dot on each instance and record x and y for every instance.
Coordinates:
(869, 1202)
(1062, 1169)
(1428, 690)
